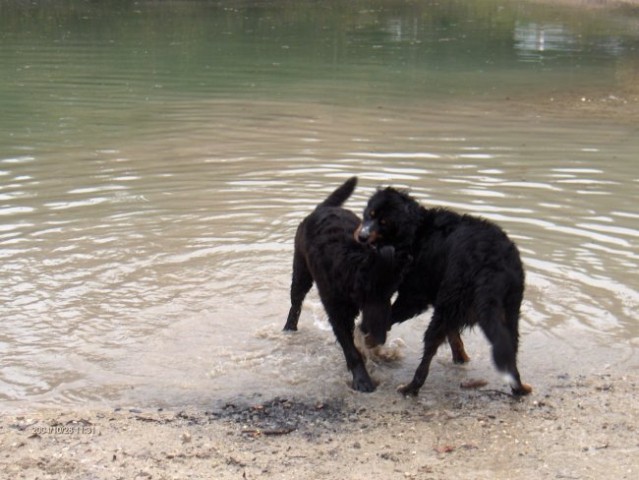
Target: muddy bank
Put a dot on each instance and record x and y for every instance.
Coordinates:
(582, 427)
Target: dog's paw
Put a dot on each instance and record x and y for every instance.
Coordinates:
(460, 357)
(387, 354)
(408, 390)
(523, 389)
(362, 381)
(364, 386)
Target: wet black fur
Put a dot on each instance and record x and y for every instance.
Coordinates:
(349, 276)
(463, 266)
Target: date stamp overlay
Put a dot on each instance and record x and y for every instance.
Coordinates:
(70, 428)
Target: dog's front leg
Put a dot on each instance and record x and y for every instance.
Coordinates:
(433, 338)
(343, 327)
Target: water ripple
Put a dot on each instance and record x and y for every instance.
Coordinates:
(169, 244)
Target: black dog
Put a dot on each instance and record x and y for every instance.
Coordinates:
(349, 275)
(465, 267)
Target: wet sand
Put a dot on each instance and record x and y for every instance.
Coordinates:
(582, 427)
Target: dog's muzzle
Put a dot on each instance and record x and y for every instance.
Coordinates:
(363, 233)
(367, 233)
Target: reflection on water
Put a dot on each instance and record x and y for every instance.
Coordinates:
(533, 38)
(151, 180)
(544, 41)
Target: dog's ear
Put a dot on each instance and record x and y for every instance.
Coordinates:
(411, 207)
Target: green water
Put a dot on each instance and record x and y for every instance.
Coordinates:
(73, 71)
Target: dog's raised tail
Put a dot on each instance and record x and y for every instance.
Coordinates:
(339, 196)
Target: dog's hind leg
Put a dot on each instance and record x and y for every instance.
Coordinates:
(433, 338)
(457, 348)
(504, 340)
(301, 283)
(342, 319)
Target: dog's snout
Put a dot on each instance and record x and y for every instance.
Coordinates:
(363, 232)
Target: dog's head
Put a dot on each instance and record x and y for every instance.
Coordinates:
(390, 218)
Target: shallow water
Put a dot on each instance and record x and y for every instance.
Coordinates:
(155, 161)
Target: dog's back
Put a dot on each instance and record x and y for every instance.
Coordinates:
(468, 250)
(325, 239)
(326, 231)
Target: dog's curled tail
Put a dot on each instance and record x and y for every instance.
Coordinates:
(339, 196)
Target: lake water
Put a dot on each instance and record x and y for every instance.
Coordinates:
(156, 158)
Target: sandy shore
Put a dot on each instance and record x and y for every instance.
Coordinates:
(582, 427)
